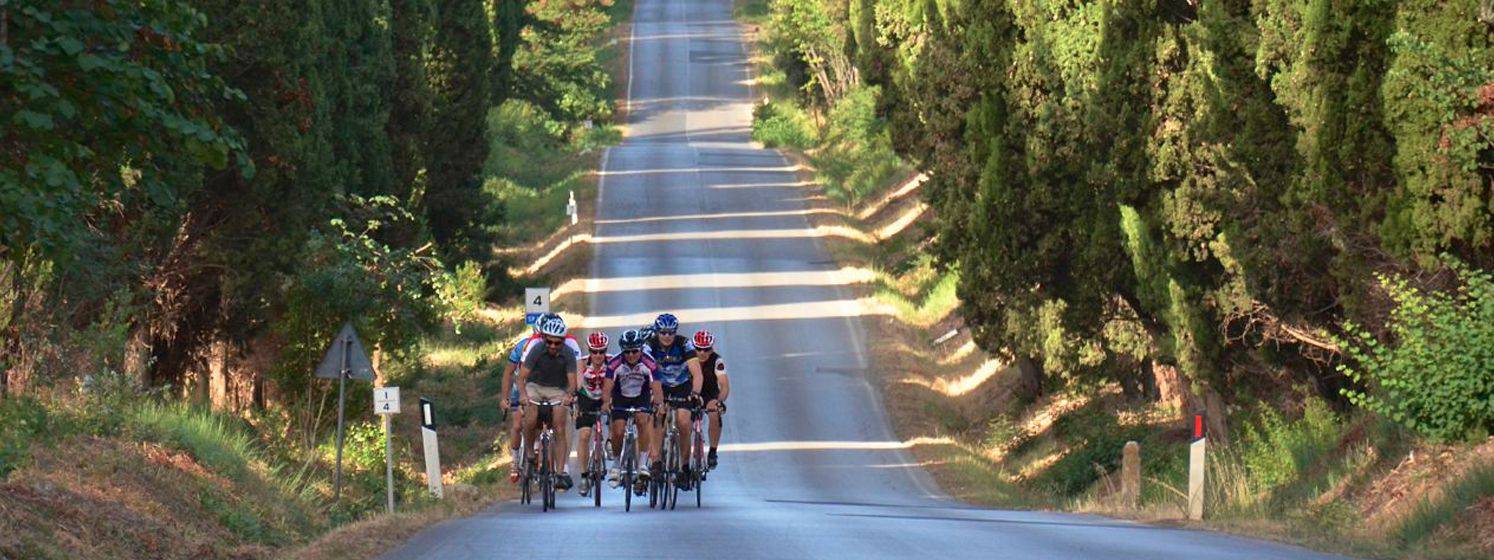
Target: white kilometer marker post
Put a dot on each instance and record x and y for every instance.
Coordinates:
(1196, 470)
(386, 405)
(432, 451)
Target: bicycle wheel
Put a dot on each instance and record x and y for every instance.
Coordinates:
(547, 480)
(627, 479)
(525, 480)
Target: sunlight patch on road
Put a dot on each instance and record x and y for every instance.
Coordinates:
(722, 216)
(845, 276)
(795, 184)
(783, 311)
(834, 445)
(740, 234)
(706, 170)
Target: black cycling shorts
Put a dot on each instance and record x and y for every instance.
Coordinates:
(587, 410)
(677, 392)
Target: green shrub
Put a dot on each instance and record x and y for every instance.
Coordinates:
(782, 125)
(1276, 451)
(22, 420)
(857, 157)
(1436, 376)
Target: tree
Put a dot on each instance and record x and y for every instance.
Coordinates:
(458, 71)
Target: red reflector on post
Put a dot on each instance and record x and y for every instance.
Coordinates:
(1198, 426)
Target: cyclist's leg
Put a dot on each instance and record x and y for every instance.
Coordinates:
(531, 421)
(558, 417)
(682, 422)
(715, 421)
(583, 440)
(648, 432)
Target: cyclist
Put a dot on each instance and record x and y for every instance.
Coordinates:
(714, 388)
(592, 373)
(550, 375)
(515, 357)
(679, 374)
(632, 381)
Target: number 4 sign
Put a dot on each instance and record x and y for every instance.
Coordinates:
(386, 400)
(536, 300)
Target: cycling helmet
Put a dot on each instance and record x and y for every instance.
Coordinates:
(541, 320)
(630, 340)
(553, 326)
(646, 332)
(704, 339)
(597, 341)
(666, 322)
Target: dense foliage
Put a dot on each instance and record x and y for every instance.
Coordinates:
(1206, 189)
(199, 193)
(1437, 377)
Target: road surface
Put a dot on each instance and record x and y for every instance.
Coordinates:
(694, 220)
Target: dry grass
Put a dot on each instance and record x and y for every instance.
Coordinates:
(92, 497)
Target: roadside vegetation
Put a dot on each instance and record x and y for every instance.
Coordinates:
(174, 263)
(1139, 212)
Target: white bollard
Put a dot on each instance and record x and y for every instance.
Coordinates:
(431, 447)
(1196, 462)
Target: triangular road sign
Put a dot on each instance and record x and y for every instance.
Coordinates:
(346, 351)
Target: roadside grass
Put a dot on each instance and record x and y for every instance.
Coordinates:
(1439, 512)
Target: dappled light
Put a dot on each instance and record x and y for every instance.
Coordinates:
(721, 216)
(833, 445)
(845, 232)
(964, 384)
(766, 312)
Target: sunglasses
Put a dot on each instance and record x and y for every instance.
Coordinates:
(554, 341)
(664, 333)
(703, 349)
(598, 352)
(630, 352)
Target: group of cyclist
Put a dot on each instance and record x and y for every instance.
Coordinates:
(655, 364)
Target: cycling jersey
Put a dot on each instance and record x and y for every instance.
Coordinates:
(631, 381)
(516, 356)
(710, 370)
(592, 378)
(671, 359)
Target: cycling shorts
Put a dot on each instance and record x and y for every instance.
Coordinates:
(587, 410)
(620, 403)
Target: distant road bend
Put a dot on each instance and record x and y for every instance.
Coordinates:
(809, 467)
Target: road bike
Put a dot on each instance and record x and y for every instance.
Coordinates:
(596, 468)
(628, 459)
(697, 452)
(544, 473)
(664, 491)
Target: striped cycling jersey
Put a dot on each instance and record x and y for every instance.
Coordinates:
(631, 381)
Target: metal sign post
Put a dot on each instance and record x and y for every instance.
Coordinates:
(345, 359)
(386, 405)
(432, 451)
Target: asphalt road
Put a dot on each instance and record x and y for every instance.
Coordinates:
(694, 220)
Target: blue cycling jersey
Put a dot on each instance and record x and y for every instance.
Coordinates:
(671, 359)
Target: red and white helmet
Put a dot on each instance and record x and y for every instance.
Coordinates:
(597, 341)
(704, 339)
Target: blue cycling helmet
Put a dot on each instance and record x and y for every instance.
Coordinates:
(630, 340)
(666, 322)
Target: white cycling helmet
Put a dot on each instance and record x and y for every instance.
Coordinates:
(555, 326)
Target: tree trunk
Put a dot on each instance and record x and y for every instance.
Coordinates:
(1176, 390)
(137, 355)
